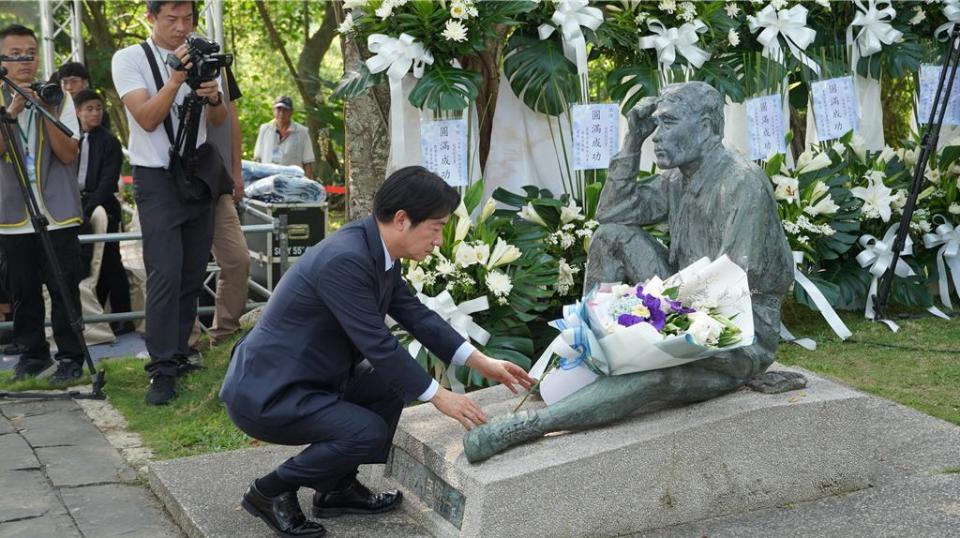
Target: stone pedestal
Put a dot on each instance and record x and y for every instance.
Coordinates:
(741, 452)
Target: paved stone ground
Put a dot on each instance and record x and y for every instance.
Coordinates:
(61, 478)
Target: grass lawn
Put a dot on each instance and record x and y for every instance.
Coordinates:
(920, 377)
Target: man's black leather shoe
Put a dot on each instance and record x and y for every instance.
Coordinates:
(281, 513)
(355, 499)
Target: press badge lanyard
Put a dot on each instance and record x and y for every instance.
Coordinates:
(29, 160)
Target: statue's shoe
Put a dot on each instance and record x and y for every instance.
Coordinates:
(500, 434)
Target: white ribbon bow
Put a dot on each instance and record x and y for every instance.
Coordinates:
(572, 343)
(792, 25)
(875, 27)
(569, 17)
(951, 10)
(878, 255)
(826, 309)
(948, 256)
(670, 41)
(396, 56)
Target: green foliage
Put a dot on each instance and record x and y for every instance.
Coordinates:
(355, 82)
(539, 74)
(446, 88)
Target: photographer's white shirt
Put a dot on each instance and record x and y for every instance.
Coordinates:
(131, 71)
(27, 122)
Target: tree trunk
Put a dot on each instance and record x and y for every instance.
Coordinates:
(367, 139)
(487, 64)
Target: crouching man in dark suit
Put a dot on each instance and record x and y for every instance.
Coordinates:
(321, 367)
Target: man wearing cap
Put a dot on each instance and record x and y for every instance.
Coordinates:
(283, 141)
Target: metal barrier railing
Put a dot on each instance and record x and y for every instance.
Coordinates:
(278, 225)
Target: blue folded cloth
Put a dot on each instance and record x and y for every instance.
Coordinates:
(253, 170)
(286, 188)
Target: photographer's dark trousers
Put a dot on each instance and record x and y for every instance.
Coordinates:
(344, 431)
(176, 248)
(113, 284)
(24, 269)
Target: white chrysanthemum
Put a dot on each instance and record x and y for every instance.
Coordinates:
(668, 5)
(733, 37)
(954, 209)
(918, 16)
(732, 9)
(446, 268)
(499, 283)
(454, 30)
(688, 11)
(347, 25)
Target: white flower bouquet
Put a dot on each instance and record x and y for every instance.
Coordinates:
(622, 328)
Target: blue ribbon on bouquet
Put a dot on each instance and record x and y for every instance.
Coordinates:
(572, 345)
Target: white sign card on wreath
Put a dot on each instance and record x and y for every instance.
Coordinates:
(443, 147)
(765, 127)
(596, 135)
(929, 78)
(835, 107)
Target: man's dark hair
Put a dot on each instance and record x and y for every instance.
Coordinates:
(86, 95)
(16, 29)
(73, 69)
(419, 192)
(153, 6)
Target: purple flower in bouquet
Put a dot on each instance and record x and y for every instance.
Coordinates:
(641, 308)
(678, 308)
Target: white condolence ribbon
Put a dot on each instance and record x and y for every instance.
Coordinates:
(396, 56)
(875, 28)
(948, 256)
(826, 310)
(460, 317)
(670, 41)
(792, 25)
(951, 10)
(569, 17)
(878, 255)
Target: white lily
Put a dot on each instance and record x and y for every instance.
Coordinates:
(529, 214)
(463, 222)
(826, 206)
(464, 255)
(859, 147)
(487, 211)
(570, 213)
(503, 253)
(887, 154)
(417, 278)
(808, 162)
(876, 198)
(482, 252)
(786, 188)
(819, 189)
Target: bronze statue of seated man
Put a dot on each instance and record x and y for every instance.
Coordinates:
(714, 202)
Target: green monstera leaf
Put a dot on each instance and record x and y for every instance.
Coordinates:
(539, 74)
(355, 82)
(444, 87)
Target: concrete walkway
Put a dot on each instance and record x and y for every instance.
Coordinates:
(61, 478)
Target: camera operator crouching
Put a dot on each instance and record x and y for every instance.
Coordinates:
(170, 90)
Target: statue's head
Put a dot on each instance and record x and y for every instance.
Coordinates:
(689, 120)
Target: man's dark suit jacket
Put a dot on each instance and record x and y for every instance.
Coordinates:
(326, 315)
(103, 172)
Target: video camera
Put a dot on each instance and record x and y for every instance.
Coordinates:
(48, 92)
(206, 63)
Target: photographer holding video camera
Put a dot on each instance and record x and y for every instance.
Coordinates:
(169, 88)
(50, 159)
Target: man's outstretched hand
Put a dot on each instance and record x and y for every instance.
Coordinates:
(458, 407)
(500, 371)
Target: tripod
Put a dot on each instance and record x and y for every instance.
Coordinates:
(39, 221)
(928, 145)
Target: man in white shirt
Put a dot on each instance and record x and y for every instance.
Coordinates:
(177, 234)
(50, 158)
(283, 141)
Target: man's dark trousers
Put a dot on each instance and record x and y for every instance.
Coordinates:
(176, 248)
(25, 268)
(353, 429)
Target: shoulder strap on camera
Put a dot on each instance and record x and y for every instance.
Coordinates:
(158, 80)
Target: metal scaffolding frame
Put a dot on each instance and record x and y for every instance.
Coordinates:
(64, 18)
